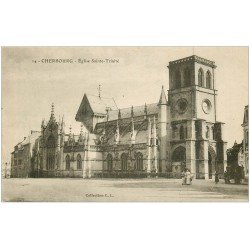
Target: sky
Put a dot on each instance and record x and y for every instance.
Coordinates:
(29, 88)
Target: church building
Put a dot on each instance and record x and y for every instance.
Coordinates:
(180, 130)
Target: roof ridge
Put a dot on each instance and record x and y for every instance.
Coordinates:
(99, 97)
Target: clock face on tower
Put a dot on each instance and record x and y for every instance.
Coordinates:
(181, 106)
(206, 106)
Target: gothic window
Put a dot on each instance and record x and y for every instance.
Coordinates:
(79, 161)
(182, 133)
(67, 159)
(124, 162)
(110, 162)
(207, 132)
(187, 77)
(139, 162)
(177, 79)
(179, 154)
(208, 80)
(201, 77)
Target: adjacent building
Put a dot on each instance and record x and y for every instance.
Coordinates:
(21, 156)
(180, 130)
(235, 155)
(245, 140)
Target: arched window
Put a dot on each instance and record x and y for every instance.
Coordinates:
(139, 162)
(182, 133)
(67, 159)
(79, 161)
(208, 80)
(110, 162)
(179, 154)
(207, 132)
(187, 77)
(124, 162)
(201, 77)
(177, 79)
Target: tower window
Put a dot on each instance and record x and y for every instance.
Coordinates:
(182, 133)
(187, 77)
(177, 79)
(208, 80)
(201, 77)
(207, 132)
(213, 133)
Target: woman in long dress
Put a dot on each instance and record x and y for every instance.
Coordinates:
(188, 177)
(183, 177)
(216, 177)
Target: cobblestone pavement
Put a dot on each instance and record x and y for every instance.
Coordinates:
(111, 190)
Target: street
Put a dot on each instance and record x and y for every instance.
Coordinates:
(112, 190)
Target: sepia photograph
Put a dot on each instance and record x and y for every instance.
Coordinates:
(125, 124)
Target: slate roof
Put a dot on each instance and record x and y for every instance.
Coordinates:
(125, 127)
(100, 104)
(137, 110)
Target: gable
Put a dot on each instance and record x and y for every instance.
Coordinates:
(85, 111)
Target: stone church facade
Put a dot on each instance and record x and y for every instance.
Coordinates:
(179, 131)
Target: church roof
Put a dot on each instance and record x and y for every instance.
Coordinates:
(137, 111)
(100, 104)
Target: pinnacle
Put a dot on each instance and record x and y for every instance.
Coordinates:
(163, 99)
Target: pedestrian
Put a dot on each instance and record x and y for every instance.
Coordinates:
(226, 177)
(216, 175)
(183, 177)
(188, 177)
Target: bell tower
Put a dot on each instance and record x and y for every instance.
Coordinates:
(196, 138)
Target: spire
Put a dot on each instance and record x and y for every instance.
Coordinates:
(81, 129)
(145, 111)
(80, 139)
(43, 123)
(70, 128)
(149, 132)
(59, 124)
(107, 112)
(119, 114)
(132, 131)
(99, 90)
(62, 125)
(149, 127)
(163, 99)
(132, 111)
(154, 128)
(52, 110)
(117, 133)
